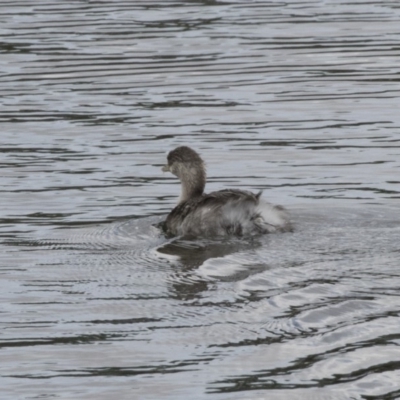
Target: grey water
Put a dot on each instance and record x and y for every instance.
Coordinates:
(299, 99)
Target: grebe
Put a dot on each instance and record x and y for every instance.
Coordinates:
(228, 212)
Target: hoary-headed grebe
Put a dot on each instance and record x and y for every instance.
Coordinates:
(223, 213)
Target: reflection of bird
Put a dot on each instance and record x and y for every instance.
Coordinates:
(222, 213)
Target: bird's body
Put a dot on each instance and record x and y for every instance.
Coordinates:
(221, 213)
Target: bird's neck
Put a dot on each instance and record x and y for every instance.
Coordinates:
(192, 184)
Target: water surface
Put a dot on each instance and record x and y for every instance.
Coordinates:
(298, 99)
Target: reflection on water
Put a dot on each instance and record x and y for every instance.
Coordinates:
(297, 99)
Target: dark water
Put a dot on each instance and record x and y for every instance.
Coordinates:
(298, 98)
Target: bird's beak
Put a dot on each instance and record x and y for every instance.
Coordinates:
(165, 168)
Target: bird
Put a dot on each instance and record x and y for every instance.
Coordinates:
(227, 212)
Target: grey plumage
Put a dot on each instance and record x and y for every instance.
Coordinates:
(221, 213)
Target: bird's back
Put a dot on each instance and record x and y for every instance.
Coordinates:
(224, 213)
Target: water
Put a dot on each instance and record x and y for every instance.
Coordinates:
(299, 99)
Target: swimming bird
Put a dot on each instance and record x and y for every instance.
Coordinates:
(227, 212)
